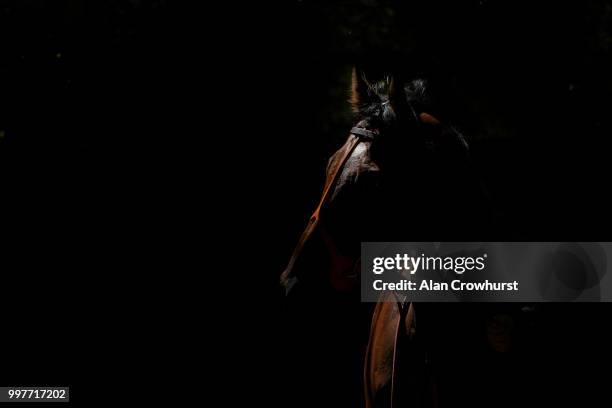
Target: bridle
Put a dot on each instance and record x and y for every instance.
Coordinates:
(358, 134)
(363, 133)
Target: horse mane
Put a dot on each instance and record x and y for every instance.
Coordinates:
(375, 107)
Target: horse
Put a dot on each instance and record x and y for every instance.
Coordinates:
(403, 174)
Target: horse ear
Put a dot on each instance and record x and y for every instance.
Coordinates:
(359, 89)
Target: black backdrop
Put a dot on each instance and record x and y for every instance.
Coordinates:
(123, 122)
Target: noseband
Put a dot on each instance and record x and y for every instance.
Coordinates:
(364, 134)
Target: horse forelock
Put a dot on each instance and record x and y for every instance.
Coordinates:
(378, 111)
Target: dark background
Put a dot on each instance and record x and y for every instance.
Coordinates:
(122, 122)
(84, 112)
